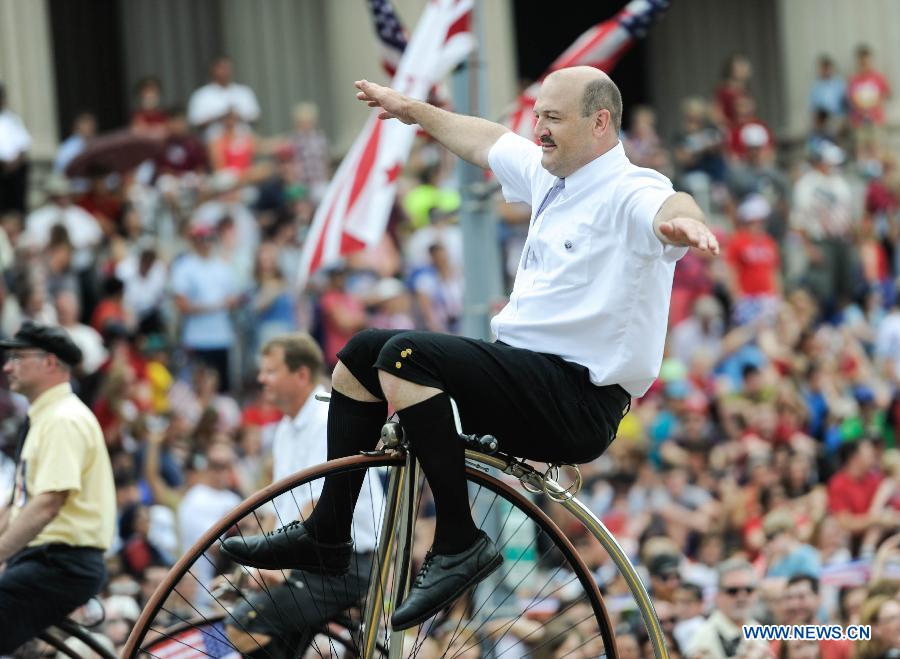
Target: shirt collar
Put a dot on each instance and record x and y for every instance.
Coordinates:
(599, 167)
(47, 399)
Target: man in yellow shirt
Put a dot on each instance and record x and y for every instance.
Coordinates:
(62, 514)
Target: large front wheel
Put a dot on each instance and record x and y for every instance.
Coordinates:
(542, 601)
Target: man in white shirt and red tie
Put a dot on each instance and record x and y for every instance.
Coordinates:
(582, 334)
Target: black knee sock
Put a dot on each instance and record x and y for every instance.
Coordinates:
(353, 426)
(432, 434)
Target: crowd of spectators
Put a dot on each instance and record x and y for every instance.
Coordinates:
(758, 480)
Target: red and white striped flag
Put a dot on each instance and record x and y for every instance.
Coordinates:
(354, 212)
(601, 47)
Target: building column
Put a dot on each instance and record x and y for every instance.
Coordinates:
(26, 68)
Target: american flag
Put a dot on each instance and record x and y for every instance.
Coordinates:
(851, 573)
(391, 34)
(204, 641)
(601, 46)
(354, 211)
(392, 37)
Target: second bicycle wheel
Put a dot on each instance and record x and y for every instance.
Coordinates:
(542, 601)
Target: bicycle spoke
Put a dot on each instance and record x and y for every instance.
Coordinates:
(205, 621)
(512, 592)
(290, 590)
(560, 613)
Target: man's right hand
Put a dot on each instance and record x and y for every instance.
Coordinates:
(393, 104)
(471, 138)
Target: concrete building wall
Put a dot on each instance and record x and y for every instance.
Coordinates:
(835, 27)
(292, 50)
(688, 47)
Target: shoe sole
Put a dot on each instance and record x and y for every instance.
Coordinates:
(317, 568)
(478, 578)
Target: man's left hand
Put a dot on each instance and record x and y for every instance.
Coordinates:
(688, 232)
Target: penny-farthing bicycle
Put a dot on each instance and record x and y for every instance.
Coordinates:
(543, 600)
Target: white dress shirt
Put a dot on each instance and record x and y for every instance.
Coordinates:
(300, 443)
(14, 137)
(83, 229)
(597, 284)
(200, 509)
(212, 101)
(143, 293)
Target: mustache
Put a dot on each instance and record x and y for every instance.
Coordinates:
(546, 141)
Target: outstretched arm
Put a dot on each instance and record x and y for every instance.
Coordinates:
(680, 222)
(471, 138)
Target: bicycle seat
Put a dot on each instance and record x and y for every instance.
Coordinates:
(392, 437)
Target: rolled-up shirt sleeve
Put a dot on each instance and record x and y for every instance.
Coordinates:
(515, 161)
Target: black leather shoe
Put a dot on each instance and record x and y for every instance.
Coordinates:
(290, 548)
(443, 578)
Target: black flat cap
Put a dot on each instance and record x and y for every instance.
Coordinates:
(48, 338)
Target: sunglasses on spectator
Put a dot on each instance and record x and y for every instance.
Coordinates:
(734, 590)
(219, 466)
(668, 576)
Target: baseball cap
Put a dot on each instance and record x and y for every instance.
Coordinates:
(386, 289)
(49, 338)
(754, 135)
(754, 207)
(202, 230)
(825, 151)
(664, 564)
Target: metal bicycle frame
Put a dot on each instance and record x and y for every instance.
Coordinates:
(401, 500)
(56, 637)
(401, 494)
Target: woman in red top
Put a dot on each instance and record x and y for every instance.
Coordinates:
(234, 148)
(343, 314)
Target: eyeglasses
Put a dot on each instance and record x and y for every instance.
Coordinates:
(668, 621)
(734, 590)
(219, 466)
(17, 357)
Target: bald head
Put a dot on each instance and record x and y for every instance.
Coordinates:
(578, 112)
(596, 89)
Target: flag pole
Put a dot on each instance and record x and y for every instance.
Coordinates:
(481, 254)
(482, 277)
